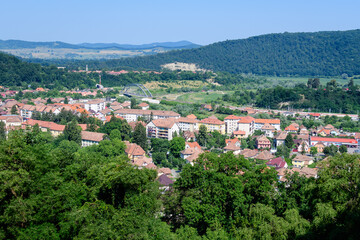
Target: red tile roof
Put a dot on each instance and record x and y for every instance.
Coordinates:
(232, 117)
(271, 121)
(246, 119)
(44, 124)
(337, 140)
(92, 136)
(193, 145)
(211, 120)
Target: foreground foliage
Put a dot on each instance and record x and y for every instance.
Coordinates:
(54, 189)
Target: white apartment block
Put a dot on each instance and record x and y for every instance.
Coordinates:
(95, 105)
(162, 128)
(132, 115)
(187, 124)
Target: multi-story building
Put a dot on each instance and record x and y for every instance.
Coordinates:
(262, 142)
(348, 142)
(246, 124)
(187, 124)
(132, 115)
(212, 124)
(162, 128)
(96, 105)
(90, 138)
(231, 123)
(259, 123)
(54, 128)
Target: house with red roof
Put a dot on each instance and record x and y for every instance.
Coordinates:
(262, 142)
(144, 106)
(277, 163)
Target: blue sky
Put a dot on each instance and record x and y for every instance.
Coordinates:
(199, 21)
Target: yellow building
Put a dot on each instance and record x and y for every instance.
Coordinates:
(212, 124)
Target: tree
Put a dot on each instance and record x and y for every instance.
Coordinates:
(289, 142)
(2, 131)
(313, 151)
(66, 101)
(14, 110)
(330, 150)
(177, 144)
(202, 136)
(140, 136)
(303, 149)
(133, 103)
(72, 132)
(343, 149)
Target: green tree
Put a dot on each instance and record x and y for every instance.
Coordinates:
(14, 110)
(289, 142)
(2, 131)
(313, 151)
(72, 132)
(202, 137)
(343, 149)
(177, 144)
(330, 150)
(140, 136)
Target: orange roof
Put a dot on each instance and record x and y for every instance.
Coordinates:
(193, 145)
(271, 121)
(143, 104)
(315, 114)
(338, 140)
(92, 136)
(134, 149)
(246, 119)
(291, 128)
(231, 141)
(211, 120)
(232, 117)
(239, 132)
(191, 116)
(44, 124)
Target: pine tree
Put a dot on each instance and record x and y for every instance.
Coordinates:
(72, 132)
(140, 136)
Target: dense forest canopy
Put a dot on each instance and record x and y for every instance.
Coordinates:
(53, 189)
(329, 53)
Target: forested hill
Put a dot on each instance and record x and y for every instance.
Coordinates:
(321, 53)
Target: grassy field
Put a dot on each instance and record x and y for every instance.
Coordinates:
(201, 97)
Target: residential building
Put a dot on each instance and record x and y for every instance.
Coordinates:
(54, 128)
(292, 128)
(277, 163)
(162, 128)
(212, 124)
(280, 139)
(302, 161)
(268, 129)
(90, 138)
(187, 124)
(259, 123)
(231, 123)
(132, 115)
(144, 106)
(96, 105)
(239, 134)
(349, 142)
(134, 151)
(262, 142)
(246, 124)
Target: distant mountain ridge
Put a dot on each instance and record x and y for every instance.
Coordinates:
(327, 53)
(18, 44)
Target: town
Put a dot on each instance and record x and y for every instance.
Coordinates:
(287, 148)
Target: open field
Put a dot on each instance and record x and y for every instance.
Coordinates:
(201, 97)
(175, 84)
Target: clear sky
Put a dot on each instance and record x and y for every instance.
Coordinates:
(198, 21)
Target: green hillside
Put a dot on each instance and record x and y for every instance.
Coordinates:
(320, 53)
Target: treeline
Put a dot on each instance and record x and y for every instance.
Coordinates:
(329, 53)
(329, 97)
(54, 189)
(14, 72)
